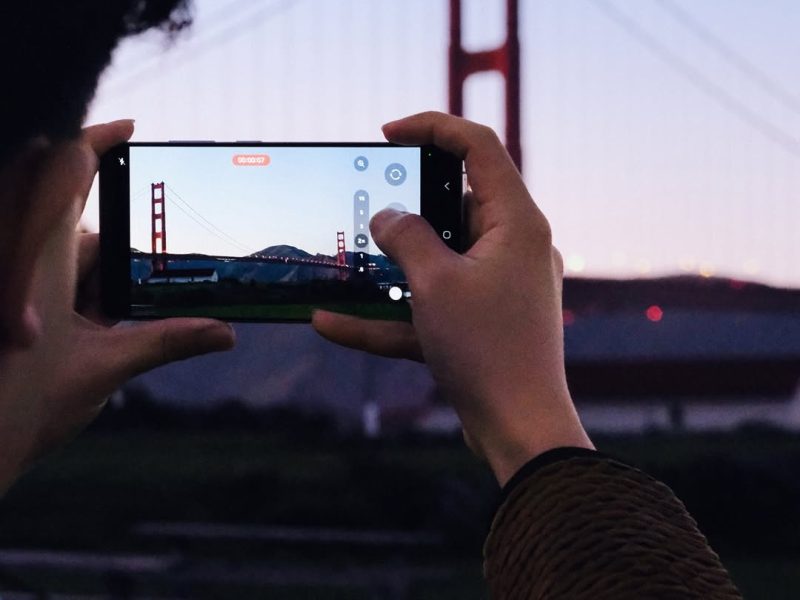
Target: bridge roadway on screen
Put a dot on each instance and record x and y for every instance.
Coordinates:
(257, 258)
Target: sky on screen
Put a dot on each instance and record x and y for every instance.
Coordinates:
(300, 196)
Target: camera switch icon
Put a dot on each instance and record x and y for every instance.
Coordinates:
(395, 174)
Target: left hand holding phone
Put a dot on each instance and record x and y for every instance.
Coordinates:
(59, 358)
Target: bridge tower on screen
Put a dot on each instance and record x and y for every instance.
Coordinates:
(503, 59)
(158, 227)
(341, 256)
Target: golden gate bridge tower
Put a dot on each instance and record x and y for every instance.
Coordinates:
(503, 59)
(341, 255)
(158, 227)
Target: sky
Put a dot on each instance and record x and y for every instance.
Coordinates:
(300, 196)
(659, 136)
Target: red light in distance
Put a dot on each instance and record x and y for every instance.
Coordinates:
(737, 284)
(654, 313)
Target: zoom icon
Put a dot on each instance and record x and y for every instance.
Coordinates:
(395, 174)
(361, 240)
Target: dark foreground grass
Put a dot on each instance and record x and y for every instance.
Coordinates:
(92, 495)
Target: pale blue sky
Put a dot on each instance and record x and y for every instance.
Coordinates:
(650, 149)
(301, 198)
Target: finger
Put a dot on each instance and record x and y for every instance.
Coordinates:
(385, 338)
(139, 348)
(51, 200)
(99, 139)
(410, 241)
(19, 323)
(488, 164)
(88, 299)
(88, 251)
(105, 136)
(65, 174)
(473, 221)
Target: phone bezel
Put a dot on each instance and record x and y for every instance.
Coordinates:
(441, 205)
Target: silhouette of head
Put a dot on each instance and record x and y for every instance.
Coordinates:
(52, 53)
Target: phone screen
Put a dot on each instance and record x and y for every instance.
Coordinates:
(264, 232)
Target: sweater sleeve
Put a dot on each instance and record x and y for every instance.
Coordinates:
(584, 526)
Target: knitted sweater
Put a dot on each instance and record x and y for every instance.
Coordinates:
(576, 524)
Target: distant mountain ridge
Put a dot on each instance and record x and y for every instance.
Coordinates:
(284, 250)
(682, 291)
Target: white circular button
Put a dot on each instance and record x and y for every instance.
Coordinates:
(395, 293)
(446, 234)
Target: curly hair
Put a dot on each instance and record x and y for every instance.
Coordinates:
(53, 52)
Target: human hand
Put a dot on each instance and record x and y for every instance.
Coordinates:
(488, 323)
(58, 365)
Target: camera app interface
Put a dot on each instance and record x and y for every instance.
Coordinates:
(266, 232)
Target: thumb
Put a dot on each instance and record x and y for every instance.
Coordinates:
(409, 240)
(139, 348)
(105, 136)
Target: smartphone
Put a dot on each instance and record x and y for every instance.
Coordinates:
(254, 231)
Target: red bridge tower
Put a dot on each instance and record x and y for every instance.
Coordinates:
(158, 227)
(504, 59)
(341, 256)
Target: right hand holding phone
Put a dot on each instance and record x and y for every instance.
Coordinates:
(488, 323)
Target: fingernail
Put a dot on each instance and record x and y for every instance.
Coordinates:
(220, 335)
(387, 126)
(317, 314)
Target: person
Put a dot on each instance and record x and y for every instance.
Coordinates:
(573, 522)
(59, 357)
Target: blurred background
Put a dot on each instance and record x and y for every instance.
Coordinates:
(660, 137)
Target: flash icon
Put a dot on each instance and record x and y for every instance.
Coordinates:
(121, 162)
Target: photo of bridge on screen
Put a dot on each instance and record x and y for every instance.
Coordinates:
(277, 246)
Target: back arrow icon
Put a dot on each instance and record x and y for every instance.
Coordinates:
(447, 186)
